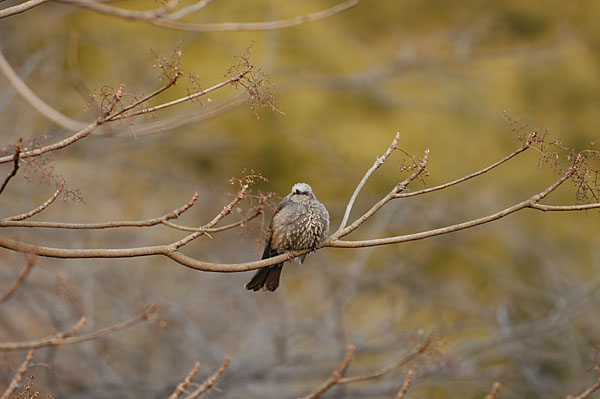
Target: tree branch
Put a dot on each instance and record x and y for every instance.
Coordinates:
(14, 384)
(209, 382)
(404, 389)
(336, 376)
(167, 22)
(19, 280)
(67, 338)
(229, 81)
(182, 386)
(15, 167)
(378, 162)
(27, 215)
(19, 8)
(37, 103)
(15, 221)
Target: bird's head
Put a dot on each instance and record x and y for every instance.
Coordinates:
(302, 189)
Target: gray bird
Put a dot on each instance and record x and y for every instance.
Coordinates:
(299, 222)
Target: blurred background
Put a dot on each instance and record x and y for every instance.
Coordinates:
(514, 301)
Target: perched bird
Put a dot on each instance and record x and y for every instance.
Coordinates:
(299, 222)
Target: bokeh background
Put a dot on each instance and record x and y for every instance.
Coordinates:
(514, 301)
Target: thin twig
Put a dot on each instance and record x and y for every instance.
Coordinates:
(378, 162)
(13, 222)
(15, 167)
(66, 338)
(183, 99)
(37, 210)
(83, 133)
(210, 381)
(420, 350)
(404, 389)
(20, 278)
(214, 229)
(585, 394)
(336, 376)
(494, 392)
(14, 384)
(398, 188)
(465, 178)
(182, 386)
(146, 98)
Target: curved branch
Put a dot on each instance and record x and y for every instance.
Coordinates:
(19, 8)
(83, 133)
(67, 338)
(336, 376)
(17, 218)
(166, 22)
(378, 162)
(14, 222)
(19, 280)
(36, 102)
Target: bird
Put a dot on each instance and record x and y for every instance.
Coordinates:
(299, 222)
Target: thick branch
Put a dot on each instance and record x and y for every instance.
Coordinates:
(19, 8)
(67, 338)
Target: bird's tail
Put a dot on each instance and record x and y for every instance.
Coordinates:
(267, 277)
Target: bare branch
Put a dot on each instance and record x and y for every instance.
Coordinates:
(378, 162)
(36, 102)
(188, 10)
(19, 280)
(123, 13)
(167, 22)
(58, 145)
(15, 167)
(14, 384)
(67, 338)
(14, 221)
(468, 177)
(182, 386)
(404, 389)
(19, 8)
(529, 203)
(146, 98)
(183, 99)
(398, 188)
(210, 381)
(585, 394)
(336, 376)
(494, 392)
(420, 350)
(35, 211)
